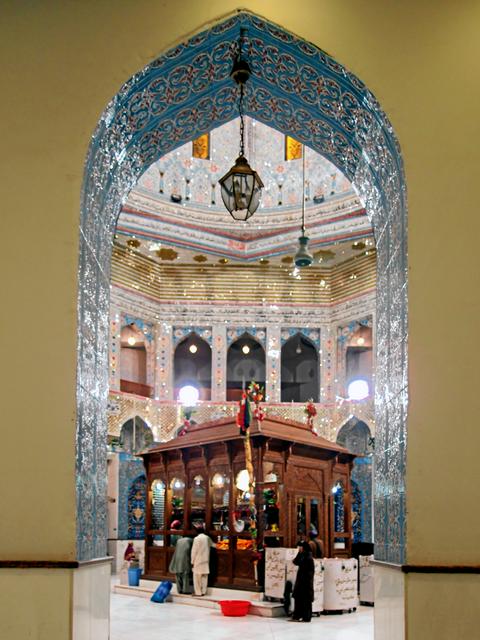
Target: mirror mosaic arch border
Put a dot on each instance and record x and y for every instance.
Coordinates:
(301, 91)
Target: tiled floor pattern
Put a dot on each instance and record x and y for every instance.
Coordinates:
(135, 618)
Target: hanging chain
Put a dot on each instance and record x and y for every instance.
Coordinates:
(303, 190)
(242, 124)
(240, 102)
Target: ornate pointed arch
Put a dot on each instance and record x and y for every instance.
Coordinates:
(301, 91)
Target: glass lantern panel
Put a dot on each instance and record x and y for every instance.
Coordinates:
(220, 501)
(257, 192)
(271, 509)
(178, 490)
(199, 501)
(301, 516)
(242, 511)
(314, 515)
(158, 505)
(339, 507)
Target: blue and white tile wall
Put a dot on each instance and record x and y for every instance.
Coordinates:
(130, 469)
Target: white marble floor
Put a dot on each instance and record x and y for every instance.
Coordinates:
(135, 618)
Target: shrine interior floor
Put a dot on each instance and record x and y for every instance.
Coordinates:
(134, 618)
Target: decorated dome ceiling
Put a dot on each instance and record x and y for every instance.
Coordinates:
(176, 204)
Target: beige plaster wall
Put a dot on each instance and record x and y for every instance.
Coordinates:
(442, 607)
(62, 61)
(35, 604)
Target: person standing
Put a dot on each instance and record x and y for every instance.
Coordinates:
(303, 589)
(316, 545)
(200, 561)
(180, 564)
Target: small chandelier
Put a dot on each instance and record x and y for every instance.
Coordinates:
(303, 257)
(241, 187)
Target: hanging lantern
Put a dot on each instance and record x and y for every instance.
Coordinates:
(241, 187)
(303, 257)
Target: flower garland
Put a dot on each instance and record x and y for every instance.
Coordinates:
(186, 418)
(254, 394)
(310, 411)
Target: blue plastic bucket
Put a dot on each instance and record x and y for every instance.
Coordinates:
(134, 577)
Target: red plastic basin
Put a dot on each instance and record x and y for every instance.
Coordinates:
(234, 607)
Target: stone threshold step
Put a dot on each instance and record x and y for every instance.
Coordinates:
(209, 601)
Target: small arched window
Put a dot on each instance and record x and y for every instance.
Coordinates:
(133, 361)
(158, 490)
(356, 437)
(135, 435)
(245, 362)
(359, 357)
(192, 365)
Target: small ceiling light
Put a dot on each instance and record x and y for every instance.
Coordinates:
(360, 342)
(188, 395)
(358, 390)
(243, 480)
(218, 480)
(241, 187)
(298, 350)
(303, 257)
(131, 341)
(193, 348)
(246, 349)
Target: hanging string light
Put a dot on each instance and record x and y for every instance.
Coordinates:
(241, 187)
(303, 258)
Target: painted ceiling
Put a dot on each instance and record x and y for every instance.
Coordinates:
(177, 201)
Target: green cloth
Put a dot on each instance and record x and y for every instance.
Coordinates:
(181, 560)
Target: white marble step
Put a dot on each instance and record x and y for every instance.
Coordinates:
(257, 608)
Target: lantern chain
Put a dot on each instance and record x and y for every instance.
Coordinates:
(242, 124)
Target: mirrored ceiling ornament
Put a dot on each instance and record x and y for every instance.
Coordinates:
(166, 254)
(241, 186)
(133, 243)
(324, 255)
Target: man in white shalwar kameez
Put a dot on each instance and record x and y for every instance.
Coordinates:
(201, 562)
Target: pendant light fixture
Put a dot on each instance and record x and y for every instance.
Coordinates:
(241, 187)
(303, 258)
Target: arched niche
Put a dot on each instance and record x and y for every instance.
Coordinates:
(135, 435)
(338, 492)
(133, 361)
(357, 513)
(355, 435)
(323, 105)
(359, 356)
(192, 365)
(299, 373)
(136, 506)
(245, 362)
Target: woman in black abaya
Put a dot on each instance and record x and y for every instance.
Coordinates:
(303, 589)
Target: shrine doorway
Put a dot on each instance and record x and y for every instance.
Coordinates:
(173, 101)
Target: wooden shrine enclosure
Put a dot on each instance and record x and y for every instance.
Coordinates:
(302, 482)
